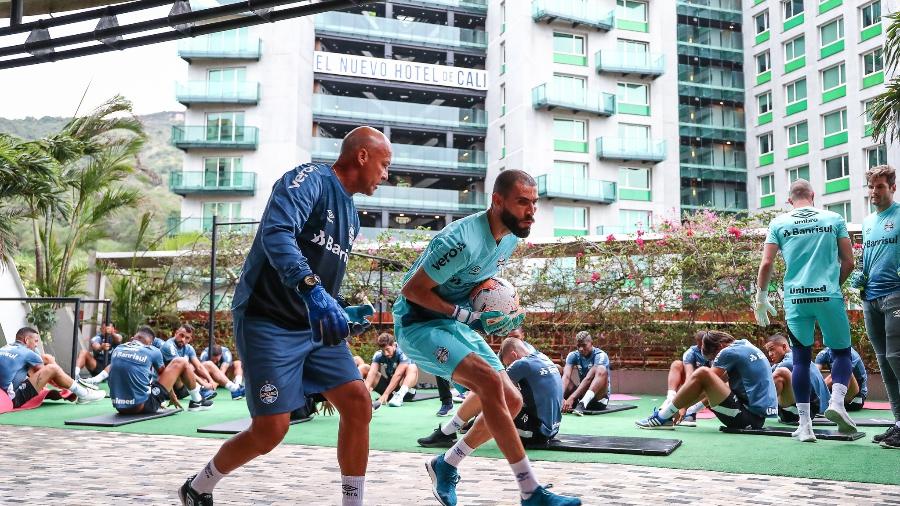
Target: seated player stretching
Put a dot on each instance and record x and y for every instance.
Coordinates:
(738, 386)
(586, 378)
(96, 359)
(224, 370)
(781, 357)
(858, 388)
(681, 370)
(390, 368)
(537, 378)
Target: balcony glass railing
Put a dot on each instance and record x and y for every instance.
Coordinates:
(397, 113)
(376, 29)
(422, 199)
(573, 12)
(186, 182)
(179, 225)
(215, 136)
(479, 6)
(614, 148)
(219, 47)
(711, 92)
(424, 158)
(548, 96)
(727, 11)
(197, 92)
(590, 190)
(713, 157)
(722, 199)
(629, 62)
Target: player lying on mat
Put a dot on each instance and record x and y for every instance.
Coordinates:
(681, 370)
(23, 373)
(95, 359)
(586, 377)
(539, 382)
(738, 386)
(390, 368)
(224, 370)
(782, 359)
(858, 388)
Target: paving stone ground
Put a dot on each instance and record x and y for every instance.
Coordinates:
(67, 467)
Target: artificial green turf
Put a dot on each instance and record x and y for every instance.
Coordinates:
(396, 429)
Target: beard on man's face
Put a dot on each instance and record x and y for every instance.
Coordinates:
(512, 223)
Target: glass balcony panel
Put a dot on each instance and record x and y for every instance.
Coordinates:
(615, 148)
(422, 199)
(218, 47)
(621, 62)
(215, 136)
(591, 190)
(189, 182)
(719, 10)
(179, 225)
(411, 156)
(209, 92)
(475, 6)
(549, 97)
(714, 198)
(399, 113)
(372, 29)
(572, 12)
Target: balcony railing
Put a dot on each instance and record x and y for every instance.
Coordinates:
(588, 190)
(396, 113)
(422, 200)
(206, 92)
(179, 225)
(201, 182)
(396, 234)
(412, 157)
(215, 46)
(376, 29)
(709, 51)
(572, 12)
(715, 10)
(630, 62)
(215, 136)
(614, 148)
(724, 200)
(474, 6)
(712, 92)
(549, 97)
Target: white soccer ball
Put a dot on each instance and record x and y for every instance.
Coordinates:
(495, 294)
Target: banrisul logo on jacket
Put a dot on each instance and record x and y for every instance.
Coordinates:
(328, 242)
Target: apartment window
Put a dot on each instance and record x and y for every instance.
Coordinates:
(570, 135)
(832, 32)
(834, 77)
(842, 208)
(835, 122)
(569, 220)
(798, 134)
(868, 111)
(633, 220)
(767, 185)
(791, 8)
(876, 155)
(837, 168)
(570, 88)
(503, 57)
(763, 62)
(227, 75)
(570, 170)
(220, 171)
(873, 62)
(571, 46)
(502, 99)
(794, 48)
(871, 14)
(765, 143)
(502, 17)
(764, 102)
(633, 94)
(631, 10)
(796, 173)
(761, 21)
(503, 141)
(225, 126)
(634, 133)
(226, 211)
(634, 183)
(795, 91)
(632, 47)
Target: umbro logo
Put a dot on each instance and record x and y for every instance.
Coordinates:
(888, 226)
(350, 490)
(329, 216)
(804, 213)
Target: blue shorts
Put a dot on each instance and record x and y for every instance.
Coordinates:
(438, 346)
(282, 367)
(802, 313)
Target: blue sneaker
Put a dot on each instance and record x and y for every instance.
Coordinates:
(445, 409)
(655, 421)
(238, 394)
(543, 497)
(207, 394)
(443, 480)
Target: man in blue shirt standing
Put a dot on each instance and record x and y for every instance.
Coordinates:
(289, 329)
(818, 258)
(880, 284)
(586, 378)
(538, 379)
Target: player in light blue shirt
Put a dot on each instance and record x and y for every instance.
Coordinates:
(224, 370)
(681, 370)
(586, 377)
(391, 369)
(435, 325)
(179, 345)
(738, 387)
(818, 259)
(542, 390)
(782, 360)
(880, 282)
(858, 389)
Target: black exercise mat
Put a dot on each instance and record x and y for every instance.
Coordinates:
(609, 444)
(862, 422)
(424, 396)
(827, 435)
(611, 408)
(117, 419)
(235, 426)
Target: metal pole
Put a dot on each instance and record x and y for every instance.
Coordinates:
(212, 286)
(16, 11)
(380, 294)
(75, 337)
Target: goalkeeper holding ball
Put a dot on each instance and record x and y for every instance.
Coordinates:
(436, 327)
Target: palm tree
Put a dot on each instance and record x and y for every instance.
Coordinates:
(886, 108)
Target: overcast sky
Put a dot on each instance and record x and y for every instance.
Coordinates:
(146, 75)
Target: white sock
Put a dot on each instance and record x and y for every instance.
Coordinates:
(670, 395)
(77, 372)
(100, 377)
(402, 391)
(459, 451)
(525, 477)
(77, 389)
(803, 411)
(838, 393)
(667, 410)
(239, 380)
(195, 393)
(232, 386)
(352, 490)
(206, 480)
(453, 425)
(588, 397)
(696, 408)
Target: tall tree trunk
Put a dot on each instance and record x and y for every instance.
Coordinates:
(39, 259)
